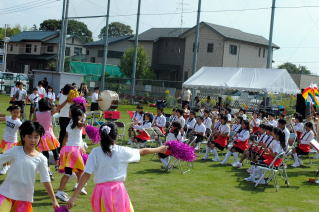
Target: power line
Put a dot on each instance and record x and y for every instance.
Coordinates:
(22, 5)
(28, 7)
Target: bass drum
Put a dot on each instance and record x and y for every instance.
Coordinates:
(109, 100)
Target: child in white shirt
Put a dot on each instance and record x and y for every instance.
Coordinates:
(16, 191)
(34, 99)
(51, 94)
(109, 164)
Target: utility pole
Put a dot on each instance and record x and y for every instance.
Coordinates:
(136, 46)
(5, 47)
(269, 53)
(196, 44)
(106, 43)
(63, 32)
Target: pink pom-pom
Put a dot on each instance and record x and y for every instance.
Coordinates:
(181, 151)
(61, 209)
(85, 157)
(79, 100)
(93, 134)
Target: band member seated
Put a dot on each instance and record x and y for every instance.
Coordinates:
(282, 125)
(190, 123)
(174, 134)
(180, 117)
(254, 148)
(142, 136)
(298, 126)
(272, 120)
(207, 122)
(160, 120)
(240, 144)
(303, 147)
(137, 119)
(199, 130)
(221, 140)
(254, 123)
(276, 147)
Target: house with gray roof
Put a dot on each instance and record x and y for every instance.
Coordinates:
(38, 50)
(171, 49)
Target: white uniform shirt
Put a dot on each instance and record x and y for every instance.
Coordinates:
(208, 122)
(228, 117)
(22, 94)
(41, 91)
(34, 98)
(13, 91)
(74, 136)
(108, 169)
(19, 183)
(95, 97)
(287, 136)
(276, 147)
(262, 138)
(243, 135)
(145, 125)
(11, 130)
(51, 96)
(138, 117)
(187, 95)
(224, 129)
(255, 123)
(273, 123)
(171, 137)
(200, 128)
(159, 121)
(244, 116)
(307, 137)
(299, 127)
(181, 120)
(64, 112)
(190, 123)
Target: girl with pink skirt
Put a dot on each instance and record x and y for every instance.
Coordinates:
(109, 164)
(71, 160)
(48, 141)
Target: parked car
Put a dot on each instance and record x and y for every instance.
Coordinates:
(8, 79)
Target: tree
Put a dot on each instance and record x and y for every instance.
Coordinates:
(116, 29)
(293, 69)
(75, 28)
(10, 31)
(143, 70)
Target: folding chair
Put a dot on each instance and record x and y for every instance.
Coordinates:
(95, 118)
(271, 171)
(153, 136)
(120, 125)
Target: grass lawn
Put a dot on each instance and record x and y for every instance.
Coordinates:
(208, 187)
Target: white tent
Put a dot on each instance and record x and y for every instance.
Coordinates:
(249, 79)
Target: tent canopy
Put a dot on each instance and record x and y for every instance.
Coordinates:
(249, 79)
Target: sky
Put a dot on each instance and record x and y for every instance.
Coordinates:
(296, 28)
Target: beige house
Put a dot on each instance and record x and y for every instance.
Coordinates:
(116, 48)
(38, 50)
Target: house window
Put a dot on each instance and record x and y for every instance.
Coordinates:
(259, 52)
(92, 59)
(11, 48)
(1, 59)
(35, 47)
(28, 48)
(100, 53)
(50, 49)
(67, 51)
(77, 51)
(87, 52)
(264, 52)
(210, 47)
(233, 49)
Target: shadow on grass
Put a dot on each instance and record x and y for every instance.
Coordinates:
(151, 171)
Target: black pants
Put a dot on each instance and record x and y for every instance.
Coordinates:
(64, 122)
(55, 154)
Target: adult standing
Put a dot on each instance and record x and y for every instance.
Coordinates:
(186, 98)
(64, 108)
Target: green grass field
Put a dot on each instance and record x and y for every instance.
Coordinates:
(208, 187)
